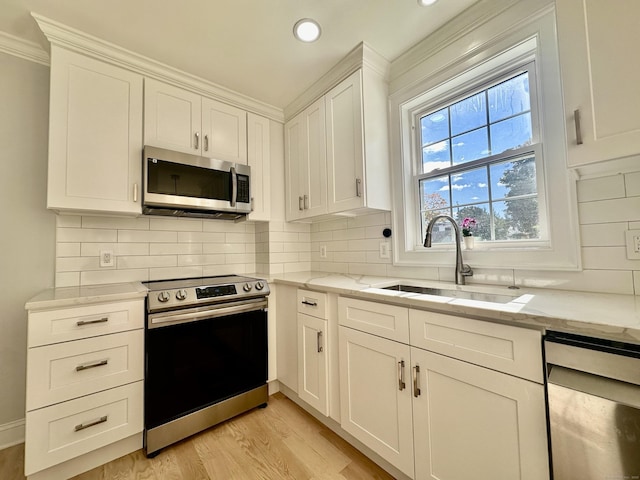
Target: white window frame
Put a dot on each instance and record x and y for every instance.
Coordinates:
(506, 71)
(458, 68)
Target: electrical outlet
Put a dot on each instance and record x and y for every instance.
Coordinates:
(385, 250)
(633, 244)
(107, 259)
(323, 251)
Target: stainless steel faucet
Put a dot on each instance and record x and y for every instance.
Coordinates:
(462, 270)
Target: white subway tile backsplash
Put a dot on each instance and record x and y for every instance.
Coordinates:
(68, 249)
(602, 188)
(175, 248)
(67, 279)
(604, 281)
(97, 277)
(175, 224)
(607, 258)
(200, 237)
(227, 247)
(636, 281)
(148, 261)
(632, 184)
(367, 269)
(610, 211)
(117, 223)
(69, 221)
(603, 234)
(238, 269)
(86, 235)
(93, 249)
(76, 264)
(164, 273)
(239, 237)
(209, 259)
(146, 236)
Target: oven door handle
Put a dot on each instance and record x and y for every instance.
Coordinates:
(165, 319)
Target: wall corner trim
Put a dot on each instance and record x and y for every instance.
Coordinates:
(12, 433)
(24, 49)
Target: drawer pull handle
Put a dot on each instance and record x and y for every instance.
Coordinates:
(416, 388)
(311, 304)
(91, 322)
(401, 383)
(82, 426)
(87, 366)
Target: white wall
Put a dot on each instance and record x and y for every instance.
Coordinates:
(27, 241)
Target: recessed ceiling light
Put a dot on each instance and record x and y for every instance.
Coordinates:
(306, 30)
(426, 3)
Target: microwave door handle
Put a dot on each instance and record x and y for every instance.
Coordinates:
(234, 187)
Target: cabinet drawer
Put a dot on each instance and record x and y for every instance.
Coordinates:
(388, 321)
(58, 433)
(505, 348)
(312, 303)
(63, 371)
(62, 325)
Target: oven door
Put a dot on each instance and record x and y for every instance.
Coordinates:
(201, 356)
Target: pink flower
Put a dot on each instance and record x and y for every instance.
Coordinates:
(467, 224)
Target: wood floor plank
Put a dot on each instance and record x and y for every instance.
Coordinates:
(279, 442)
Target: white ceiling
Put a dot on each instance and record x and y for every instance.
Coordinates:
(247, 46)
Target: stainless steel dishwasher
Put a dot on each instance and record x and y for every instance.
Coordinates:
(594, 407)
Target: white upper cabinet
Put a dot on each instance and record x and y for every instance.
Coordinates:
(357, 151)
(259, 159)
(600, 78)
(95, 135)
(181, 120)
(306, 163)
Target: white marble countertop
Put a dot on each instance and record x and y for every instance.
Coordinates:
(74, 296)
(609, 316)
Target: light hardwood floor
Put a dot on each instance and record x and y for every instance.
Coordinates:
(281, 441)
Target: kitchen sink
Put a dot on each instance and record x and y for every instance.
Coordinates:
(443, 292)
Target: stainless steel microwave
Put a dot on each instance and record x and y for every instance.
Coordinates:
(179, 184)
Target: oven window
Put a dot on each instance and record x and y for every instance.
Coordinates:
(194, 365)
(168, 178)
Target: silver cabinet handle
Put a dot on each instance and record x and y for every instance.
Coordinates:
(401, 384)
(306, 202)
(82, 426)
(135, 193)
(416, 388)
(197, 140)
(206, 143)
(576, 119)
(311, 304)
(300, 204)
(87, 366)
(319, 340)
(358, 185)
(80, 323)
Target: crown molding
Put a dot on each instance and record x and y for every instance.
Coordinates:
(24, 49)
(362, 56)
(86, 44)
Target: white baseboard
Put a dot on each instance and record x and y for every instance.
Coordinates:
(11, 434)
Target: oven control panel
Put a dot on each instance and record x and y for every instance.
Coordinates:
(177, 294)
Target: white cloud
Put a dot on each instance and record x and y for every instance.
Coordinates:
(460, 187)
(482, 185)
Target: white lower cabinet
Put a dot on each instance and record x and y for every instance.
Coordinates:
(313, 378)
(472, 422)
(85, 370)
(435, 416)
(375, 402)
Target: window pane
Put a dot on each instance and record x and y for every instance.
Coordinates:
(480, 213)
(470, 187)
(435, 127)
(468, 114)
(435, 156)
(510, 179)
(470, 146)
(516, 219)
(434, 193)
(509, 98)
(442, 231)
(512, 133)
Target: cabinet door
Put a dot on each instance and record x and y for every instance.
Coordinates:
(375, 404)
(293, 161)
(472, 422)
(224, 130)
(313, 168)
(600, 77)
(95, 140)
(259, 159)
(172, 118)
(345, 161)
(313, 379)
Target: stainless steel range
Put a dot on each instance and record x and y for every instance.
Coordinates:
(205, 352)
